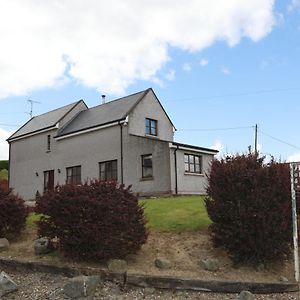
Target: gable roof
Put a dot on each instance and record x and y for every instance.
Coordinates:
(106, 113)
(43, 121)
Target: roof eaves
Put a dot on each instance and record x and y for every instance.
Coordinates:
(88, 128)
(10, 139)
(194, 147)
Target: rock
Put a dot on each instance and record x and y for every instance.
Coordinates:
(260, 267)
(162, 263)
(210, 264)
(149, 291)
(7, 285)
(42, 246)
(283, 279)
(245, 295)
(117, 265)
(81, 286)
(4, 244)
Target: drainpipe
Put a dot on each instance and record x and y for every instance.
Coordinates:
(176, 179)
(9, 157)
(121, 149)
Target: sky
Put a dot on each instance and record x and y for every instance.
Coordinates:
(218, 67)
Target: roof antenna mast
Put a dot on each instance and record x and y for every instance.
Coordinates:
(31, 106)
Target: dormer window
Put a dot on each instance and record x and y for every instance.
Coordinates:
(48, 142)
(151, 126)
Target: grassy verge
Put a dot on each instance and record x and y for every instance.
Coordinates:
(186, 213)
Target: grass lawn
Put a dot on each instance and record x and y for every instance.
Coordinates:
(185, 213)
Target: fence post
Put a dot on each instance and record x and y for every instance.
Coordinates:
(294, 215)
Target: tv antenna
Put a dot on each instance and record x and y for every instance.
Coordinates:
(31, 106)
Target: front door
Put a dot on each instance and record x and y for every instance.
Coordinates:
(48, 180)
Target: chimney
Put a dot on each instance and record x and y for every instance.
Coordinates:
(103, 98)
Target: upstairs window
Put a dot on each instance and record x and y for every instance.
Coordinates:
(151, 126)
(48, 142)
(193, 163)
(147, 169)
(74, 175)
(108, 170)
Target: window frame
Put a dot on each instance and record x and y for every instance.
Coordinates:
(151, 126)
(144, 167)
(190, 164)
(49, 142)
(114, 170)
(75, 178)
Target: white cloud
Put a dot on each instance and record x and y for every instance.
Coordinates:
(294, 5)
(186, 67)
(225, 70)
(203, 62)
(110, 45)
(170, 75)
(294, 157)
(3, 143)
(218, 145)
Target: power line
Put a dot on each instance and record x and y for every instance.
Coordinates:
(9, 125)
(215, 129)
(248, 93)
(279, 140)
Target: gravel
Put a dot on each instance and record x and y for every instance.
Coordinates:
(48, 286)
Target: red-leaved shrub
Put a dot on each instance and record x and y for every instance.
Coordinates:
(249, 203)
(4, 185)
(13, 213)
(99, 220)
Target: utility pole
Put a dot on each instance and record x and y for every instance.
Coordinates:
(255, 140)
(31, 106)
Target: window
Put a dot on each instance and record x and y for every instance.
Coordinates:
(74, 175)
(193, 163)
(151, 126)
(48, 180)
(108, 170)
(48, 142)
(147, 169)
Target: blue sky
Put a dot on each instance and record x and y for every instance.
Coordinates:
(218, 68)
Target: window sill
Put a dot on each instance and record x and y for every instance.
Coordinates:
(155, 137)
(194, 174)
(146, 178)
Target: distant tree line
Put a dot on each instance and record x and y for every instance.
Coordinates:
(3, 164)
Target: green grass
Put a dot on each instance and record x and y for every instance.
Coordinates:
(186, 213)
(31, 219)
(3, 174)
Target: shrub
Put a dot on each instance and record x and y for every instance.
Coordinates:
(13, 213)
(4, 185)
(249, 203)
(100, 220)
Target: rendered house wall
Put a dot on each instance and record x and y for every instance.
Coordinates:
(188, 183)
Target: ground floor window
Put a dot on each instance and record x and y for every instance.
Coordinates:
(108, 170)
(193, 163)
(48, 180)
(147, 167)
(74, 175)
